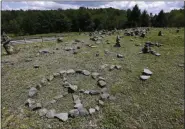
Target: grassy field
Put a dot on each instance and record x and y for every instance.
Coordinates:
(157, 103)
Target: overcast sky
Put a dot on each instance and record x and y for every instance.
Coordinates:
(151, 7)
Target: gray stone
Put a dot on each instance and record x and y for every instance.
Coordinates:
(66, 84)
(32, 92)
(43, 81)
(85, 72)
(79, 71)
(157, 54)
(35, 106)
(103, 66)
(92, 110)
(62, 116)
(102, 83)
(144, 77)
(58, 97)
(97, 108)
(83, 112)
(76, 99)
(86, 92)
(53, 101)
(95, 75)
(118, 67)
(36, 66)
(147, 72)
(78, 106)
(50, 78)
(104, 96)
(104, 90)
(51, 113)
(100, 102)
(94, 92)
(56, 74)
(70, 71)
(101, 78)
(73, 87)
(62, 72)
(29, 102)
(112, 67)
(38, 86)
(44, 51)
(42, 112)
(68, 48)
(74, 113)
(119, 56)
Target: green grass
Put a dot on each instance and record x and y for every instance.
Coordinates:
(154, 104)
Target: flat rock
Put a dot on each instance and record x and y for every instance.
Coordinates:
(97, 108)
(62, 72)
(74, 113)
(147, 72)
(94, 92)
(42, 112)
(58, 97)
(68, 48)
(104, 96)
(56, 74)
(83, 112)
(118, 67)
(144, 77)
(35, 106)
(70, 71)
(51, 113)
(101, 78)
(86, 92)
(78, 106)
(112, 67)
(50, 78)
(95, 75)
(73, 87)
(62, 116)
(102, 83)
(92, 110)
(32, 92)
(86, 73)
(104, 90)
(100, 102)
(104, 66)
(119, 56)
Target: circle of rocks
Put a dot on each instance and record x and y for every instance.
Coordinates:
(79, 109)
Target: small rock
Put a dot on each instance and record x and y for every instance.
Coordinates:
(118, 67)
(79, 71)
(35, 106)
(68, 48)
(62, 72)
(38, 86)
(66, 84)
(94, 92)
(95, 75)
(74, 113)
(104, 96)
(28, 60)
(86, 73)
(42, 112)
(43, 81)
(104, 90)
(97, 108)
(112, 67)
(32, 92)
(102, 83)
(119, 56)
(92, 110)
(144, 77)
(73, 88)
(51, 113)
(62, 116)
(50, 78)
(83, 112)
(70, 71)
(78, 106)
(56, 74)
(147, 72)
(36, 66)
(86, 92)
(100, 102)
(103, 66)
(101, 78)
(58, 97)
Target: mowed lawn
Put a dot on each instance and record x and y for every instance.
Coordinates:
(157, 103)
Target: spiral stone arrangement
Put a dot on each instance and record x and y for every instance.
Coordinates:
(79, 109)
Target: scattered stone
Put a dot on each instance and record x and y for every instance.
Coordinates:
(78, 106)
(28, 60)
(86, 92)
(62, 72)
(91, 111)
(94, 92)
(157, 54)
(100, 102)
(35, 106)
(56, 74)
(97, 108)
(101, 78)
(74, 113)
(58, 97)
(112, 67)
(102, 83)
(32, 92)
(104, 90)
(50, 78)
(42, 112)
(118, 67)
(75, 51)
(147, 72)
(73, 88)
(52, 101)
(51, 113)
(104, 96)
(144, 77)
(95, 75)
(77, 40)
(66, 84)
(62, 116)
(70, 71)
(83, 112)
(76, 99)
(59, 40)
(119, 56)
(103, 66)
(86, 73)
(44, 51)
(68, 48)
(79, 71)
(38, 86)
(181, 65)
(117, 42)
(36, 66)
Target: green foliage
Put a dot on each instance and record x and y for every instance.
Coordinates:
(28, 22)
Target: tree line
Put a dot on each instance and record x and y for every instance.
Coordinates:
(21, 22)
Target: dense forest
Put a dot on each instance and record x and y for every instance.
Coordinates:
(21, 22)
